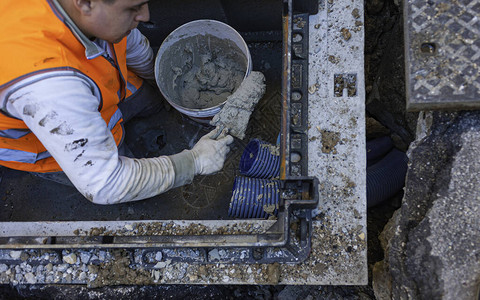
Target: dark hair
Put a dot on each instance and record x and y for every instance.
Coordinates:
(109, 1)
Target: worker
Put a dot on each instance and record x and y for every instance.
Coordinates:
(71, 72)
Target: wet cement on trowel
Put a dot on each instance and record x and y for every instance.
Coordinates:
(203, 70)
(236, 112)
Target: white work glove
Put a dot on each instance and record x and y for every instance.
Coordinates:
(207, 157)
(210, 154)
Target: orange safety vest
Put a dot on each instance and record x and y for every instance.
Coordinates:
(33, 40)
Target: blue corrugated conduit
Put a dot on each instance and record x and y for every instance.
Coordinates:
(254, 198)
(260, 160)
(386, 171)
(386, 177)
(377, 148)
(256, 195)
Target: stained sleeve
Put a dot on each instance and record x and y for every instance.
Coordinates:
(63, 113)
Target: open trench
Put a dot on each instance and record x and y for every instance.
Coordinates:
(24, 197)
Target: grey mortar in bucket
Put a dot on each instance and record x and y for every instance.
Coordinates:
(198, 71)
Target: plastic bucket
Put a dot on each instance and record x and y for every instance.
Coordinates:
(182, 53)
(260, 159)
(254, 198)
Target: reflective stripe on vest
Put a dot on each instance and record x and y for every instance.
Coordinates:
(14, 133)
(117, 116)
(131, 87)
(30, 157)
(23, 156)
(18, 133)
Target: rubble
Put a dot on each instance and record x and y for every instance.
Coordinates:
(96, 268)
(432, 243)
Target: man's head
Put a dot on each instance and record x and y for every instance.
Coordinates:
(109, 20)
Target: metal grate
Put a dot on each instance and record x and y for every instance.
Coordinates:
(442, 47)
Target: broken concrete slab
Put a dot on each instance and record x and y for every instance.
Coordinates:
(432, 244)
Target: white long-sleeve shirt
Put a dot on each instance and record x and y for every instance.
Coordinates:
(67, 102)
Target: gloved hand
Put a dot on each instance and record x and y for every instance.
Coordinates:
(206, 157)
(210, 154)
